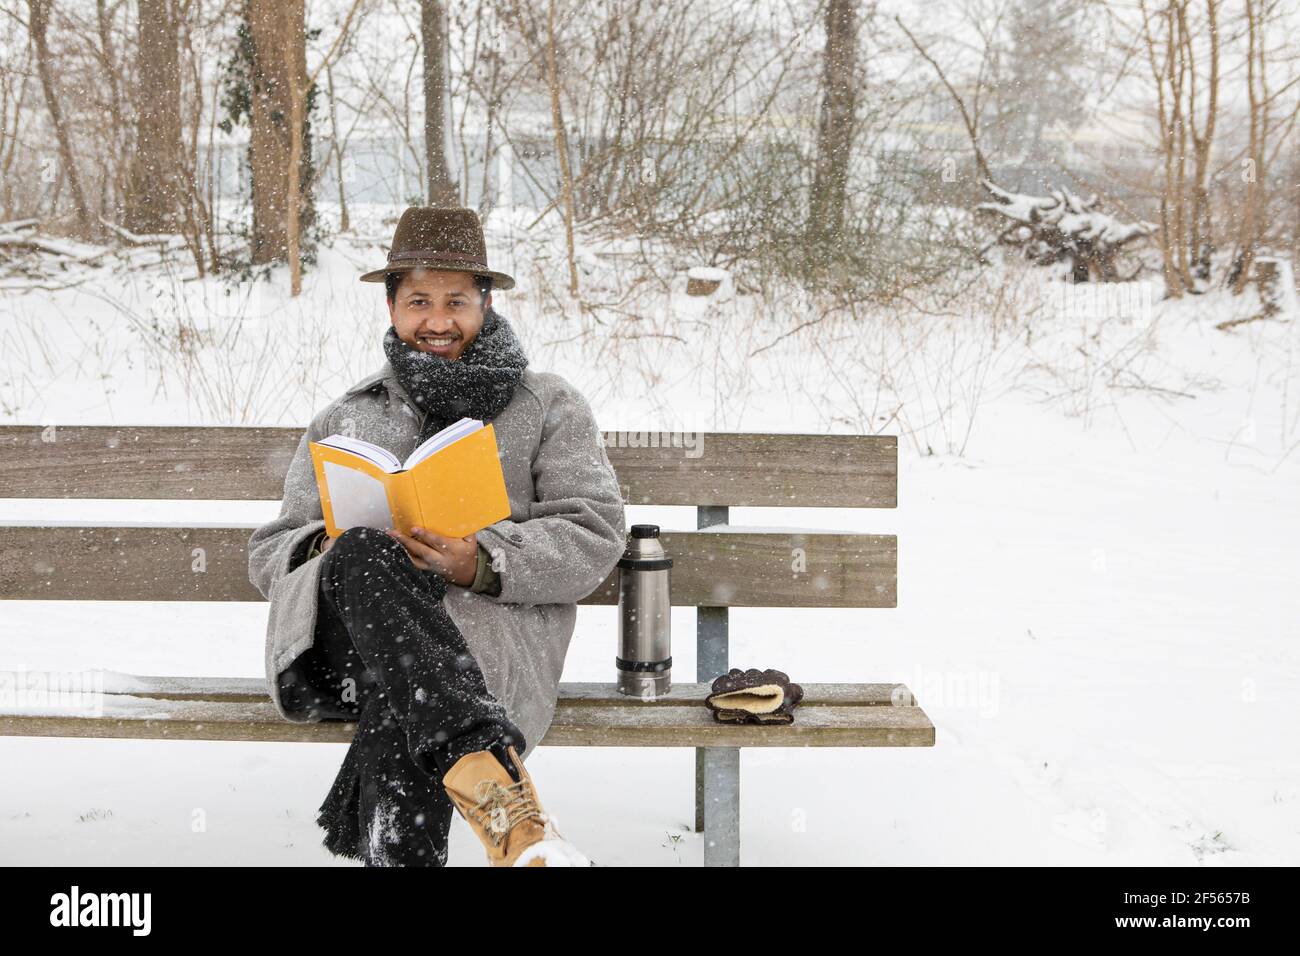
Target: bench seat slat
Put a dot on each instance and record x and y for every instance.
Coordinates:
(572, 727)
(588, 715)
(710, 568)
(575, 693)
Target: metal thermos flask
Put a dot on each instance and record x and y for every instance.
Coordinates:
(644, 616)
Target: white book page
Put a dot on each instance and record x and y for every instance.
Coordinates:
(452, 433)
(356, 499)
(382, 458)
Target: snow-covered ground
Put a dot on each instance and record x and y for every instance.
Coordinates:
(1099, 541)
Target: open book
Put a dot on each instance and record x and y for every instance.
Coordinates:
(451, 484)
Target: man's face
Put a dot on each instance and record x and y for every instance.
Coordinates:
(438, 312)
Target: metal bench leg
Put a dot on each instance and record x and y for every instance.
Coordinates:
(722, 787)
(710, 662)
(717, 769)
(699, 789)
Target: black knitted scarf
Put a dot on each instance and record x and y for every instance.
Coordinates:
(479, 384)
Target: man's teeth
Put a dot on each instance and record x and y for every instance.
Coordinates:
(441, 340)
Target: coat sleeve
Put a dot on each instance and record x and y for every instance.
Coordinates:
(280, 545)
(575, 530)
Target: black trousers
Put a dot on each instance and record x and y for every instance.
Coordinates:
(387, 655)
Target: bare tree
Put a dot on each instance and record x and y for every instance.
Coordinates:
(300, 87)
(200, 97)
(1187, 107)
(338, 143)
(278, 63)
(154, 196)
(1250, 226)
(443, 191)
(38, 22)
(835, 124)
(482, 73)
(114, 74)
(664, 108)
(561, 144)
(14, 91)
(294, 48)
(542, 42)
(970, 113)
(1201, 234)
(1217, 81)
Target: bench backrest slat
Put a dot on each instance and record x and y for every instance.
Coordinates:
(719, 468)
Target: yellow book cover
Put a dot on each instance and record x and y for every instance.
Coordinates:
(451, 484)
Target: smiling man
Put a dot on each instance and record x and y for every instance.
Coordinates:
(439, 312)
(447, 652)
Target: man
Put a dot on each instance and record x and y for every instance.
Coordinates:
(446, 651)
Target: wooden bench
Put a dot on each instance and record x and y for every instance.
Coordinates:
(714, 570)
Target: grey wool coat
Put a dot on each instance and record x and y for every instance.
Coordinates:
(565, 533)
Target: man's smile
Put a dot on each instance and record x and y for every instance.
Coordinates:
(437, 344)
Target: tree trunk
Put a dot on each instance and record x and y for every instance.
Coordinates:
(561, 146)
(443, 191)
(1295, 226)
(835, 125)
(11, 132)
(1178, 68)
(296, 68)
(278, 69)
(337, 148)
(1249, 233)
(153, 197)
(1202, 241)
(115, 163)
(37, 23)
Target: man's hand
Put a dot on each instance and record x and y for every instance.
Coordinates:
(326, 543)
(456, 559)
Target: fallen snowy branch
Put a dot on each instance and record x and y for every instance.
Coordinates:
(32, 262)
(76, 251)
(1062, 226)
(153, 239)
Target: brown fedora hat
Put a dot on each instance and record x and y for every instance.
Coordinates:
(447, 239)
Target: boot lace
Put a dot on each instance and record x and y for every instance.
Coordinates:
(500, 808)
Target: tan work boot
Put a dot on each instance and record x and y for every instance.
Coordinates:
(505, 814)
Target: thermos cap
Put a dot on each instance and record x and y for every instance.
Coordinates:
(645, 531)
